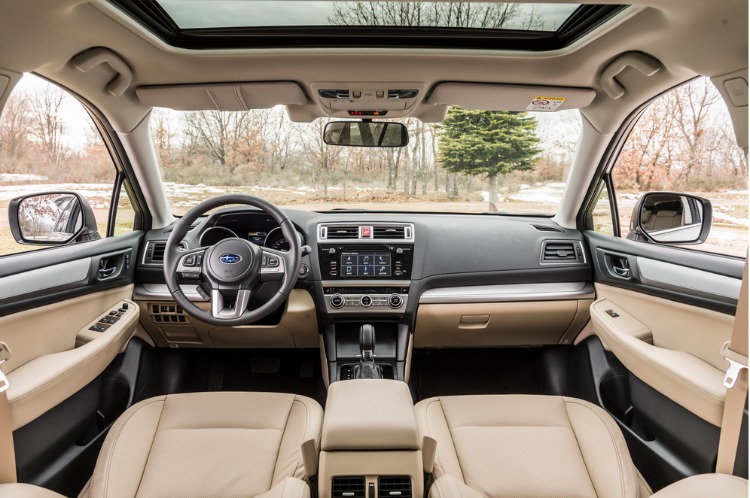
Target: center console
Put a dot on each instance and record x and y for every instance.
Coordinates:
(366, 270)
(370, 445)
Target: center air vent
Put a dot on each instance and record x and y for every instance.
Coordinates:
(350, 487)
(379, 232)
(341, 232)
(366, 232)
(388, 487)
(562, 251)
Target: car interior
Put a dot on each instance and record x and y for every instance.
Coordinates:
(242, 348)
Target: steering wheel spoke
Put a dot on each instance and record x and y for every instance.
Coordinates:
(190, 263)
(229, 305)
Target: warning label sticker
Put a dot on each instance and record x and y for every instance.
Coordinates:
(545, 104)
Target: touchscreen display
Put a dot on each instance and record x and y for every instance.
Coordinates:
(368, 264)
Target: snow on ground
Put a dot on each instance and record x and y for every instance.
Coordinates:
(719, 215)
(21, 177)
(98, 194)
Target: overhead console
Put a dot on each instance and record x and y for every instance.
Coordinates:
(366, 267)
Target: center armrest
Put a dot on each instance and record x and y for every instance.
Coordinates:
(369, 414)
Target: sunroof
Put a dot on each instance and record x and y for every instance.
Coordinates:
(203, 24)
(197, 14)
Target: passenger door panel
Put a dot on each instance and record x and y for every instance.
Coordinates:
(665, 314)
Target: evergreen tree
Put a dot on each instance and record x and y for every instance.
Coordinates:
(490, 143)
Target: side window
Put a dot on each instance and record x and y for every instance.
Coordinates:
(602, 215)
(48, 142)
(684, 142)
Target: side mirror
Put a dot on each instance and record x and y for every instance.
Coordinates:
(365, 134)
(52, 218)
(671, 218)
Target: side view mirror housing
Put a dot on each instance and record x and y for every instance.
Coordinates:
(51, 219)
(671, 218)
(366, 134)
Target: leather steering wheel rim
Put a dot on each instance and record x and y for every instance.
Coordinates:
(290, 260)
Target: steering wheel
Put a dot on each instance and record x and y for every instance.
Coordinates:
(232, 269)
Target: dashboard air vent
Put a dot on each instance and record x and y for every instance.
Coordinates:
(351, 487)
(389, 487)
(342, 232)
(562, 251)
(547, 228)
(169, 229)
(379, 232)
(154, 253)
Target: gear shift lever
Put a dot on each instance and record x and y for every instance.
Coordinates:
(367, 369)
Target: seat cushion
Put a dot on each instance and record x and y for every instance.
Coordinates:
(511, 446)
(208, 445)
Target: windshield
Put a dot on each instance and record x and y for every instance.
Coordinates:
(473, 162)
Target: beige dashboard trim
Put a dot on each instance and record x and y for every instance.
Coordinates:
(298, 327)
(525, 323)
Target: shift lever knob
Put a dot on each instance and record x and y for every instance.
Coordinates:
(367, 341)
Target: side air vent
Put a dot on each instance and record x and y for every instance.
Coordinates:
(341, 232)
(547, 228)
(154, 253)
(351, 487)
(388, 487)
(379, 232)
(562, 251)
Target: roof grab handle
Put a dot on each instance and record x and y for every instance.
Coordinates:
(641, 62)
(89, 59)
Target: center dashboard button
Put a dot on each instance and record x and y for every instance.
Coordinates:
(365, 301)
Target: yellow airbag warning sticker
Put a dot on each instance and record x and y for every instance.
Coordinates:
(545, 104)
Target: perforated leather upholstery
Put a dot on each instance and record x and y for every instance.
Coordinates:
(531, 446)
(209, 445)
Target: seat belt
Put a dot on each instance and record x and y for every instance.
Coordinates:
(735, 380)
(7, 450)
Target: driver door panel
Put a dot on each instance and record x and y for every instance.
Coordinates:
(51, 304)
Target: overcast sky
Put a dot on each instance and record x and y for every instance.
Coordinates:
(238, 13)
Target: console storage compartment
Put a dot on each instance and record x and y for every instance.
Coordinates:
(370, 440)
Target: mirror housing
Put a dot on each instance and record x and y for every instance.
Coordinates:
(671, 218)
(52, 219)
(365, 134)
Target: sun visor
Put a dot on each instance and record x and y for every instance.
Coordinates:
(222, 97)
(501, 97)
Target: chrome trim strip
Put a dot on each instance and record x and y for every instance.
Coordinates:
(72, 272)
(353, 282)
(160, 292)
(508, 293)
(676, 277)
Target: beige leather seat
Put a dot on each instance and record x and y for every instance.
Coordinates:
(530, 446)
(209, 445)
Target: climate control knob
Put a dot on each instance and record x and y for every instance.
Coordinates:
(337, 301)
(395, 301)
(365, 301)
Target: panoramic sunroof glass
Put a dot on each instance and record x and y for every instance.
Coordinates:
(202, 14)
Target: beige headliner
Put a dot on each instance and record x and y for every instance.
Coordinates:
(689, 36)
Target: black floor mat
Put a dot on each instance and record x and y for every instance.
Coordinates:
(446, 372)
(285, 371)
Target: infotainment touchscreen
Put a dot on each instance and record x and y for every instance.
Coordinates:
(365, 264)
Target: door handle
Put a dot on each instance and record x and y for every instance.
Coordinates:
(621, 272)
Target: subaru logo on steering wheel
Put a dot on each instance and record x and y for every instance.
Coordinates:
(230, 258)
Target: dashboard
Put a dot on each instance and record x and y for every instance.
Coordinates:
(392, 267)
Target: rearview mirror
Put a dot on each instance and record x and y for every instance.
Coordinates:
(51, 218)
(671, 218)
(365, 134)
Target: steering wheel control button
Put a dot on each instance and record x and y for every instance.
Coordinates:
(365, 301)
(191, 275)
(273, 261)
(395, 301)
(337, 301)
(189, 260)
